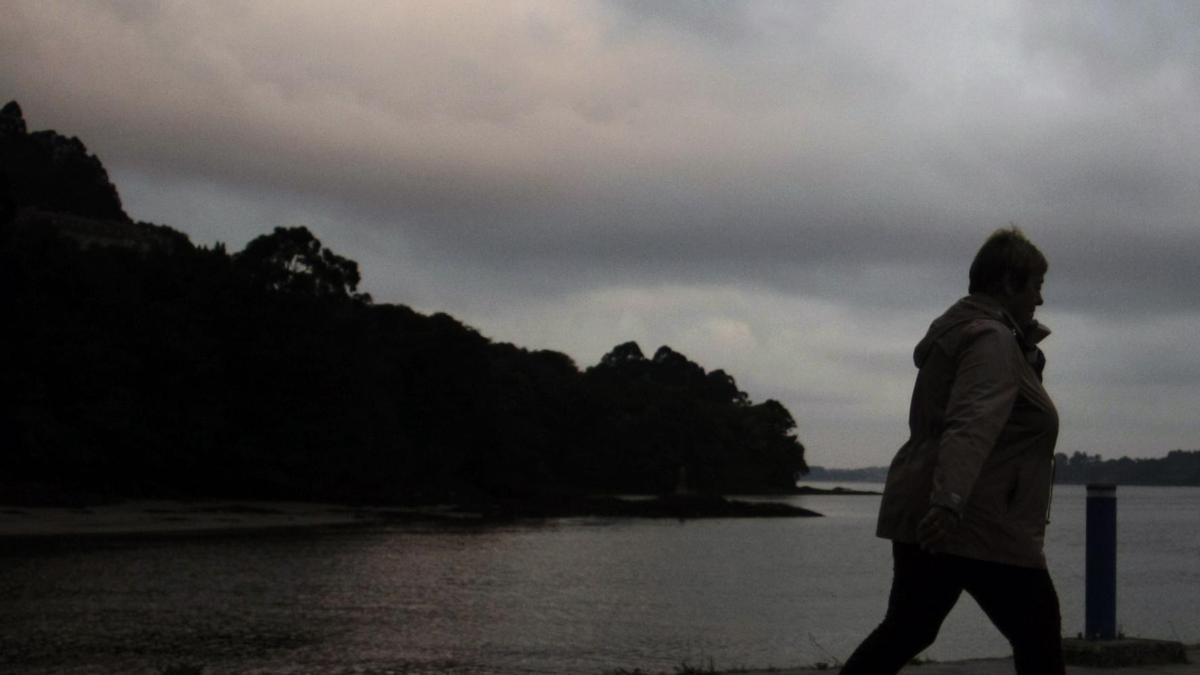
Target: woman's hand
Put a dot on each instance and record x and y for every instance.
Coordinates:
(935, 527)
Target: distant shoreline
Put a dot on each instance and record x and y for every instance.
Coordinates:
(838, 490)
(165, 517)
(1179, 468)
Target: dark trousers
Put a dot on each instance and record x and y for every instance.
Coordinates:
(1021, 602)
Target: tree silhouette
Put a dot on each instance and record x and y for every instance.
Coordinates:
(292, 260)
(140, 365)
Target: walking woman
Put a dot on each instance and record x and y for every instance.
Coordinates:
(967, 497)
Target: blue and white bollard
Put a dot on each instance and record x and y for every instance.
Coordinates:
(1100, 598)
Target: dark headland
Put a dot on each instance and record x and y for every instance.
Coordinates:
(142, 366)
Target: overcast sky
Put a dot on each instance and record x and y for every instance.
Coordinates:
(790, 191)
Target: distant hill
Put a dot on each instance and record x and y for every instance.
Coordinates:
(137, 364)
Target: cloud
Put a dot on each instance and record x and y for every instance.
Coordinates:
(527, 165)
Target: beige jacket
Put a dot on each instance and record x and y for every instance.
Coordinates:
(982, 435)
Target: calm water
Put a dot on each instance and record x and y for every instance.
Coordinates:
(557, 596)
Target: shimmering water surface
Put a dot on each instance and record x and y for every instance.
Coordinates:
(556, 596)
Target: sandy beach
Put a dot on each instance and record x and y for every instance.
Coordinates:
(175, 517)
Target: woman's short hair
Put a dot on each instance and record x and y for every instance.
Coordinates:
(1007, 252)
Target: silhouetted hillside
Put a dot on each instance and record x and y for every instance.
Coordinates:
(139, 365)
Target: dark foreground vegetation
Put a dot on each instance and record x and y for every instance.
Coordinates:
(136, 364)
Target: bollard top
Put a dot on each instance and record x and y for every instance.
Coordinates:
(1102, 489)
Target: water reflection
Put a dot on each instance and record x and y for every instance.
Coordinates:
(570, 595)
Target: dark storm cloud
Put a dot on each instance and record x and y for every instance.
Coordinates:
(719, 184)
(836, 163)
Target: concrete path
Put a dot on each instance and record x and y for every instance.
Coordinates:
(1005, 667)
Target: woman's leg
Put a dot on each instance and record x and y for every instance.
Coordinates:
(924, 590)
(1021, 601)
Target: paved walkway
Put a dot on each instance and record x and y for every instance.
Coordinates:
(1005, 667)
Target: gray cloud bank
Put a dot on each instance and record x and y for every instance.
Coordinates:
(789, 191)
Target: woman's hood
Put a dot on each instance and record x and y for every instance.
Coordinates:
(972, 308)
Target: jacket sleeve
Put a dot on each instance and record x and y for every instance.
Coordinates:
(980, 402)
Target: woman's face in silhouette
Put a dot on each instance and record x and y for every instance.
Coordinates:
(1022, 302)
